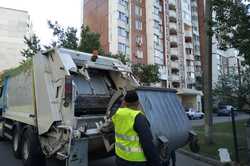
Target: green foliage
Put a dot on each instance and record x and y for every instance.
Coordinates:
(229, 90)
(90, 41)
(33, 46)
(231, 26)
(65, 38)
(146, 73)
(121, 57)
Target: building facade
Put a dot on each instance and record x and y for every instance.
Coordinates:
(14, 25)
(162, 32)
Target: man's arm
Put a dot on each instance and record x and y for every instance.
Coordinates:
(141, 126)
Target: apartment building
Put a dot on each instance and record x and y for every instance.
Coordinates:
(14, 25)
(163, 32)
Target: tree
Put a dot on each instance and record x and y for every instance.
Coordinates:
(229, 91)
(65, 38)
(121, 57)
(33, 46)
(146, 73)
(90, 41)
(231, 26)
(207, 75)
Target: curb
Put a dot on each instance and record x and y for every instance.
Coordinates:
(201, 158)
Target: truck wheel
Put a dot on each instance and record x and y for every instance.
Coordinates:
(1, 131)
(17, 142)
(31, 149)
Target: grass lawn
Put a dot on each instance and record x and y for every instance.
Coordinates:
(223, 138)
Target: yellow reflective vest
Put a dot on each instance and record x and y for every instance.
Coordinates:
(127, 145)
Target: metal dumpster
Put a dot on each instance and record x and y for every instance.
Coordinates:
(169, 123)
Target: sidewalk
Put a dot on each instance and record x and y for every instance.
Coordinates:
(183, 160)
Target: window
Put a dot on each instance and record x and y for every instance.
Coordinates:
(157, 25)
(138, 10)
(138, 25)
(188, 63)
(156, 10)
(188, 51)
(156, 40)
(138, 1)
(139, 54)
(139, 40)
(123, 17)
(123, 3)
(122, 32)
(123, 48)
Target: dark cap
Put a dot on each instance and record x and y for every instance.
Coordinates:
(131, 96)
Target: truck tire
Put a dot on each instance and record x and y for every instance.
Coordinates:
(1, 131)
(31, 149)
(17, 142)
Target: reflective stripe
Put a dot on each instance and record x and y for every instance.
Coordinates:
(129, 149)
(127, 138)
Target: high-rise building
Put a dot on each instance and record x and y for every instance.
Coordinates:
(14, 25)
(162, 32)
(159, 32)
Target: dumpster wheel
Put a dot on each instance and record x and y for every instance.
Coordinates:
(194, 146)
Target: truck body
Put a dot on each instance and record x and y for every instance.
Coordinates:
(60, 102)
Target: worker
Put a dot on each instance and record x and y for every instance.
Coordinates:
(134, 141)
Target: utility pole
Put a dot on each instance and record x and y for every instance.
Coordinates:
(207, 68)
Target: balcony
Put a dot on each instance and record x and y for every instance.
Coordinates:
(190, 69)
(173, 39)
(174, 64)
(172, 2)
(197, 52)
(158, 47)
(173, 51)
(158, 32)
(123, 8)
(163, 73)
(198, 74)
(190, 80)
(124, 40)
(197, 63)
(157, 17)
(123, 24)
(158, 5)
(190, 57)
(175, 77)
(172, 14)
(188, 34)
(189, 45)
(172, 26)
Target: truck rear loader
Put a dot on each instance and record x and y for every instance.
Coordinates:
(59, 104)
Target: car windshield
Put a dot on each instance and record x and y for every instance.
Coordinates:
(222, 107)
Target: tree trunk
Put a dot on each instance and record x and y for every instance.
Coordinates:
(207, 68)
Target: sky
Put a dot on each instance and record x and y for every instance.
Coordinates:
(66, 12)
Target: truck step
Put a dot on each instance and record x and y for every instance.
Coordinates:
(8, 126)
(7, 136)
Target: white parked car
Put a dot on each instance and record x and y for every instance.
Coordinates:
(194, 114)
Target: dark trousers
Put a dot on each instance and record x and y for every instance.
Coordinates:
(121, 162)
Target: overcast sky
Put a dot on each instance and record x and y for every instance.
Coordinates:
(66, 12)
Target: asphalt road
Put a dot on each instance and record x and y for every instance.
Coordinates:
(7, 159)
(221, 119)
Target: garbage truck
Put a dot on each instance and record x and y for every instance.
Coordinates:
(59, 104)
